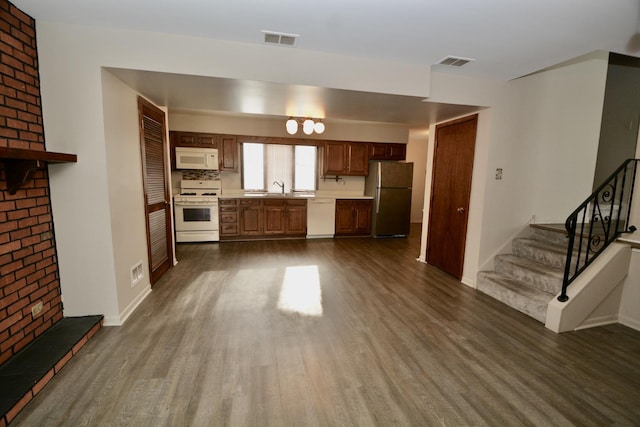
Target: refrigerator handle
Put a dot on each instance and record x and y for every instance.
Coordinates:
(378, 201)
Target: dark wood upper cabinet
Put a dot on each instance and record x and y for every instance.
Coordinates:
(227, 146)
(228, 153)
(358, 157)
(345, 158)
(391, 151)
(334, 158)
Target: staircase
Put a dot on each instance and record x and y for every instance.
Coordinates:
(530, 277)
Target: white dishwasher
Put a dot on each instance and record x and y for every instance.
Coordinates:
(321, 217)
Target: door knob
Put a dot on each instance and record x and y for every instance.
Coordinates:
(460, 210)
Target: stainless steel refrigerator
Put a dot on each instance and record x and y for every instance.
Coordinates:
(389, 183)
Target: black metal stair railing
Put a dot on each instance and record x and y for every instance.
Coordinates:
(599, 221)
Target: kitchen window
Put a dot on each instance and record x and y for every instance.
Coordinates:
(263, 164)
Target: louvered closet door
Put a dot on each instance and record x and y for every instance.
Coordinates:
(156, 188)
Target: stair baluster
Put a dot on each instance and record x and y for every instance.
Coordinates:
(605, 214)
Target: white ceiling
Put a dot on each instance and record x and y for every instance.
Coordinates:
(507, 39)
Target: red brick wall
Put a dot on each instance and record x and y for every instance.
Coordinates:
(28, 264)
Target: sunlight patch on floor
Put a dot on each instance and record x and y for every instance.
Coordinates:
(301, 292)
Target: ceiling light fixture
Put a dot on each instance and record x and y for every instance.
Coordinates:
(309, 126)
(292, 126)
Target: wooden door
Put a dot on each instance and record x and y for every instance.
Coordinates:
(450, 193)
(156, 188)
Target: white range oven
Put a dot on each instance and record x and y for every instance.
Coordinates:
(196, 211)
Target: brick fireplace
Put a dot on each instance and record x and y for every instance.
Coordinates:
(28, 264)
(35, 340)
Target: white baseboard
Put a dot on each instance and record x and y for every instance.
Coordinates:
(124, 315)
(630, 322)
(134, 304)
(111, 321)
(469, 282)
(598, 321)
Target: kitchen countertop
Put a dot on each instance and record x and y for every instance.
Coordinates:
(239, 194)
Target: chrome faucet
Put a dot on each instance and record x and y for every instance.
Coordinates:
(279, 184)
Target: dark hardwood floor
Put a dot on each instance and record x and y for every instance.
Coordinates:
(236, 334)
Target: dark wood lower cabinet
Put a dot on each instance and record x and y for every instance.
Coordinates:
(353, 217)
(228, 215)
(251, 218)
(274, 216)
(260, 218)
(296, 217)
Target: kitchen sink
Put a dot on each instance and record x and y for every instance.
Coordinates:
(280, 195)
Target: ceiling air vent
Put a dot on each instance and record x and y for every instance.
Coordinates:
(455, 61)
(282, 39)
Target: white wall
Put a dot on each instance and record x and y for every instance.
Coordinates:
(558, 127)
(126, 197)
(71, 58)
(417, 153)
(629, 313)
(629, 307)
(256, 125)
(492, 148)
(542, 130)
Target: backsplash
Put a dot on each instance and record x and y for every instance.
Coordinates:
(200, 175)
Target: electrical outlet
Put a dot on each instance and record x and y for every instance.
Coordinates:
(136, 273)
(37, 309)
(499, 173)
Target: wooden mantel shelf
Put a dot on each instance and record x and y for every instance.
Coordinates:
(21, 164)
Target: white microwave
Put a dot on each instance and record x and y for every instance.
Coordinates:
(197, 158)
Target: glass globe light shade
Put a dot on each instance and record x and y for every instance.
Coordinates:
(292, 126)
(307, 127)
(318, 127)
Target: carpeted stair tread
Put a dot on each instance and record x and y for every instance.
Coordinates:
(554, 233)
(538, 275)
(540, 251)
(516, 294)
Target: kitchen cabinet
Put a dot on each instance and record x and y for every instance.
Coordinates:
(251, 222)
(274, 216)
(296, 217)
(228, 153)
(285, 216)
(353, 217)
(391, 151)
(247, 218)
(228, 213)
(345, 158)
(192, 139)
(227, 146)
